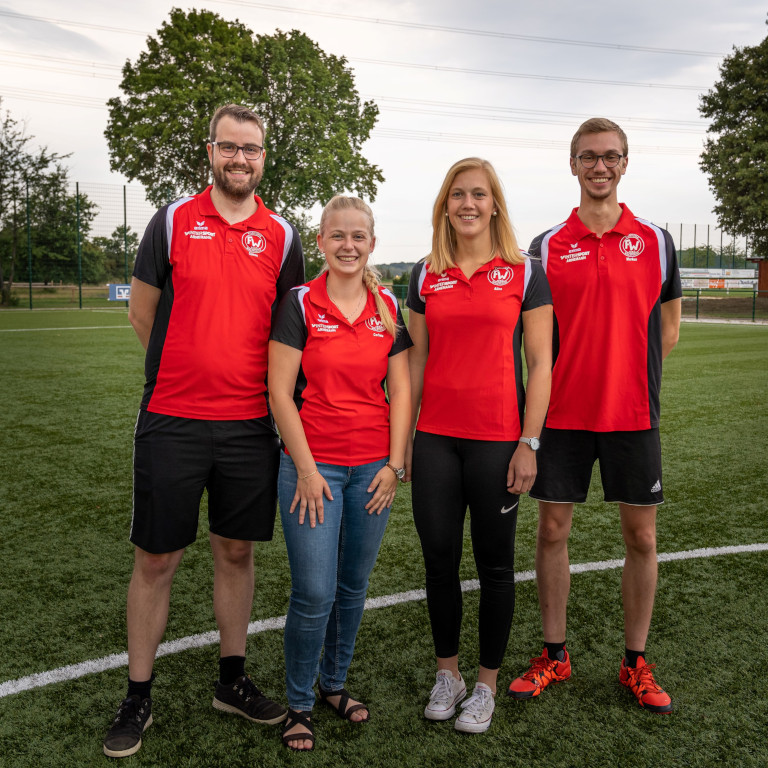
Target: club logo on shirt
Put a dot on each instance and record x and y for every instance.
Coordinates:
(375, 325)
(254, 243)
(631, 246)
(500, 276)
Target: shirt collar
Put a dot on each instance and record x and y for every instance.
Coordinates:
(257, 221)
(624, 226)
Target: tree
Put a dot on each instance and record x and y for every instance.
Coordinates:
(736, 153)
(25, 174)
(118, 252)
(198, 61)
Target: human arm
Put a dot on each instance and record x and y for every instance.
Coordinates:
(670, 325)
(384, 484)
(537, 340)
(283, 368)
(417, 361)
(142, 308)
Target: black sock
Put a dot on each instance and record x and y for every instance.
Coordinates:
(143, 690)
(555, 650)
(631, 657)
(230, 668)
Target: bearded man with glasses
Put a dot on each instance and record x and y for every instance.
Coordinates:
(210, 271)
(616, 296)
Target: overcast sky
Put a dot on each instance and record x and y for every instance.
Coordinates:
(503, 79)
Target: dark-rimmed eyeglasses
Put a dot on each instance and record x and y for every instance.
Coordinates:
(229, 149)
(589, 159)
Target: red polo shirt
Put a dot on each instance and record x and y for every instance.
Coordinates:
(207, 354)
(607, 294)
(340, 388)
(473, 382)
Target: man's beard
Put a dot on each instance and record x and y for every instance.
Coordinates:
(235, 190)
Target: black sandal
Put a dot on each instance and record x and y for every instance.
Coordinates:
(298, 718)
(341, 709)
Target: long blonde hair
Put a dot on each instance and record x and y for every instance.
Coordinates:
(371, 275)
(503, 237)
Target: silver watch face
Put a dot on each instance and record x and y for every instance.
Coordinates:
(400, 473)
(534, 443)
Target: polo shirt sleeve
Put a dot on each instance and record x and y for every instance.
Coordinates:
(153, 263)
(289, 326)
(403, 339)
(537, 293)
(671, 288)
(535, 250)
(292, 268)
(414, 301)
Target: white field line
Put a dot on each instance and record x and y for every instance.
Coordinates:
(73, 328)
(116, 660)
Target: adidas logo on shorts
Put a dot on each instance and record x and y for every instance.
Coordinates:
(656, 487)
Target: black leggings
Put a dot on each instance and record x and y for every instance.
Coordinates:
(450, 473)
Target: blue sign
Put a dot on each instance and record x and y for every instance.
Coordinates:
(119, 292)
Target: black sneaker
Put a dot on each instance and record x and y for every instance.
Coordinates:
(245, 699)
(133, 717)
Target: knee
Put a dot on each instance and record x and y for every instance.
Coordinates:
(155, 568)
(234, 553)
(641, 541)
(553, 530)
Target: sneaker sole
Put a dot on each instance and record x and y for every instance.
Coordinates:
(222, 707)
(439, 717)
(463, 727)
(131, 750)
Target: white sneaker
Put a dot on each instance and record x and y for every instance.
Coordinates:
(476, 711)
(446, 694)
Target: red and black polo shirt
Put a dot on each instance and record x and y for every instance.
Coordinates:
(607, 294)
(340, 391)
(207, 353)
(473, 381)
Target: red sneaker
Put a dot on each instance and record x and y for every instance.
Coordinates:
(640, 681)
(540, 674)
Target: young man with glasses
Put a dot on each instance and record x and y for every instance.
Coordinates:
(209, 273)
(616, 296)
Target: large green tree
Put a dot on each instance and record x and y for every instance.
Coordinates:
(316, 122)
(735, 156)
(33, 181)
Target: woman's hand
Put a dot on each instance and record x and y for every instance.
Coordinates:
(522, 470)
(309, 496)
(383, 488)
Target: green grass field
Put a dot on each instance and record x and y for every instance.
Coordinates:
(71, 383)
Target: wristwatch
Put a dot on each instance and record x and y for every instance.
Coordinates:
(532, 442)
(399, 473)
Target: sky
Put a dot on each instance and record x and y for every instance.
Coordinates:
(506, 80)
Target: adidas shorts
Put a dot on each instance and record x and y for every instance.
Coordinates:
(176, 459)
(630, 466)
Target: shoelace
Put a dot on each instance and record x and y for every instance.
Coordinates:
(538, 664)
(643, 677)
(441, 691)
(477, 703)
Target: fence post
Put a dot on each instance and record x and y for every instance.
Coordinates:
(29, 246)
(698, 293)
(754, 303)
(79, 248)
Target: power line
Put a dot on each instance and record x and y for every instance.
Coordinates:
(496, 73)
(464, 31)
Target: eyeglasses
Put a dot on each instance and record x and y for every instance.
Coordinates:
(589, 159)
(228, 149)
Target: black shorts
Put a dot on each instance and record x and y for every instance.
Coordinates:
(175, 459)
(630, 466)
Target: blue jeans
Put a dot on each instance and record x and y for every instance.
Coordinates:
(330, 566)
